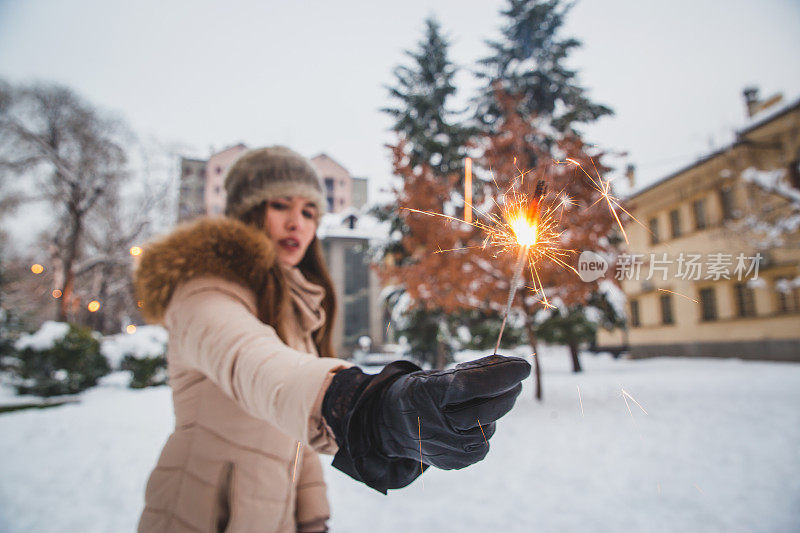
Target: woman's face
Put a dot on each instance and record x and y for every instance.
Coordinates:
(291, 223)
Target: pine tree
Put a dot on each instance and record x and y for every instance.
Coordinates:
(431, 130)
(432, 143)
(529, 62)
(584, 219)
(529, 93)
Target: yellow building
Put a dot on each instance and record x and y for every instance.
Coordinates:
(714, 267)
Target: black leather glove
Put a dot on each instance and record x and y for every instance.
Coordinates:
(377, 419)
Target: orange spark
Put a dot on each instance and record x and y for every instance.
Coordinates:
(37, 268)
(135, 250)
(56, 293)
(93, 306)
(296, 456)
(679, 294)
(698, 488)
(130, 328)
(484, 434)
(468, 190)
(625, 393)
(604, 188)
(421, 471)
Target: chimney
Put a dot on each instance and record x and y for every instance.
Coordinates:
(751, 100)
(755, 105)
(630, 173)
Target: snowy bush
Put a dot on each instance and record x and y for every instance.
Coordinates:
(142, 352)
(7, 338)
(59, 358)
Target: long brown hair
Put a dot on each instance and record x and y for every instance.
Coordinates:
(275, 304)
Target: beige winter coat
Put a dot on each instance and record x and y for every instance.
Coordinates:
(243, 399)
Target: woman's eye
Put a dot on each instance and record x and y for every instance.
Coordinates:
(308, 214)
(278, 205)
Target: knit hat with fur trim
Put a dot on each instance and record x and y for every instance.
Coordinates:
(266, 173)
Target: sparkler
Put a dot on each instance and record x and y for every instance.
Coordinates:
(525, 227)
(525, 224)
(579, 398)
(528, 226)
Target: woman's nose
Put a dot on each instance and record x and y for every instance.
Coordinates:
(293, 221)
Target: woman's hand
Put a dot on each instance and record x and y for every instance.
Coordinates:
(449, 414)
(383, 422)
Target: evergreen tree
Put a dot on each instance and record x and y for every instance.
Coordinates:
(528, 62)
(433, 143)
(431, 130)
(530, 106)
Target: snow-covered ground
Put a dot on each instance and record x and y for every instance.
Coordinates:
(719, 450)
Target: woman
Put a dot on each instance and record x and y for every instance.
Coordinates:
(257, 390)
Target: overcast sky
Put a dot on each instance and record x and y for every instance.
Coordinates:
(311, 75)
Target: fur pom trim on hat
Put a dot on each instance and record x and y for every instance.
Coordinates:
(272, 172)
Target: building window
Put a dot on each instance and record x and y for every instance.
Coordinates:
(635, 314)
(329, 185)
(654, 231)
(708, 301)
(726, 202)
(666, 309)
(330, 204)
(356, 318)
(745, 302)
(675, 223)
(700, 214)
(356, 273)
(219, 170)
(788, 296)
(794, 173)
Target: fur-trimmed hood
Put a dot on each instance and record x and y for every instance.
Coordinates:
(218, 246)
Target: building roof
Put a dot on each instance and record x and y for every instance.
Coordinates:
(757, 121)
(337, 225)
(325, 164)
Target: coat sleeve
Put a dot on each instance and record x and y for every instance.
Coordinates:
(213, 329)
(312, 510)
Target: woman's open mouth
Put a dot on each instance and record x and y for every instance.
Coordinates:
(289, 244)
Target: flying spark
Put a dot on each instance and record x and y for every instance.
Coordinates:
(484, 434)
(296, 456)
(679, 294)
(468, 190)
(633, 400)
(604, 188)
(421, 470)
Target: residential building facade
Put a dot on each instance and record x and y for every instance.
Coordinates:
(712, 268)
(191, 199)
(336, 182)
